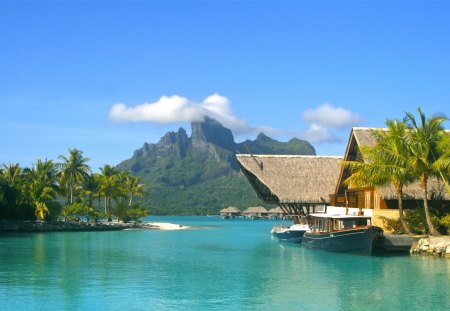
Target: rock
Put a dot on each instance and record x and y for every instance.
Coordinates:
(438, 246)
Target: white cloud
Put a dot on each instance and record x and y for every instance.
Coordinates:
(322, 122)
(177, 109)
(168, 109)
(325, 119)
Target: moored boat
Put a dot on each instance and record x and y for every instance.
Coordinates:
(291, 234)
(342, 233)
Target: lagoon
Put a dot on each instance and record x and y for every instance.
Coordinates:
(217, 265)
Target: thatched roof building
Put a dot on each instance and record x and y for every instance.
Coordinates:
(230, 211)
(291, 179)
(379, 197)
(255, 212)
(276, 212)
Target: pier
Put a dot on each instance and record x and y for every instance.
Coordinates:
(398, 243)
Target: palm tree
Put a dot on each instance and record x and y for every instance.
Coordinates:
(91, 187)
(12, 196)
(13, 180)
(385, 163)
(73, 171)
(108, 186)
(11, 172)
(133, 188)
(423, 141)
(41, 186)
(443, 163)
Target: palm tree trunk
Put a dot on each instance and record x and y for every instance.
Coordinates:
(109, 209)
(431, 227)
(71, 195)
(131, 199)
(71, 190)
(405, 225)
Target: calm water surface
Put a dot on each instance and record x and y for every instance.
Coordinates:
(220, 265)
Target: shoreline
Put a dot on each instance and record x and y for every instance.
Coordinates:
(12, 226)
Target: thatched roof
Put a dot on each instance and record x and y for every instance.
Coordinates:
(291, 179)
(276, 210)
(230, 209)
(360, 136)
(255, 210)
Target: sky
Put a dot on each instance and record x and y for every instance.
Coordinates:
(107, 76)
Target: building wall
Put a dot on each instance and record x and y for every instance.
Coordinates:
(388, 213)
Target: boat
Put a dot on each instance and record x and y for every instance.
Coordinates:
(292, 234)
(342, 233)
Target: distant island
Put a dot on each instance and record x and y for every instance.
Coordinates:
(179, 175)
(199, 174)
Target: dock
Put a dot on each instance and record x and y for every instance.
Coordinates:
(398, 243)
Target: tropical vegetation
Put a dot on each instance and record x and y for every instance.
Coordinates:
(408, 150)
(68, 191)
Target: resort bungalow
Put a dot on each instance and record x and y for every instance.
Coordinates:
(383, 200)
(230, 212)
(257, 212)
(297, 184)
(276, 213)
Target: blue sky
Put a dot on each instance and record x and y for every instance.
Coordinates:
(105, 77)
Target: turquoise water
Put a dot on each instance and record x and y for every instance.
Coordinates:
(220, 265)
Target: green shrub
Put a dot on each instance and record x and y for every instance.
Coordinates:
(445, 223)
(124, 213)
(416, 220)
(78, 212)
(136, 213)
(392, 224)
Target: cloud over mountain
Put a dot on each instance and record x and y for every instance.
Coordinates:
(177, 109)
(322, 122)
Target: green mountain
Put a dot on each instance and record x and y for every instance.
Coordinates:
(199, 174)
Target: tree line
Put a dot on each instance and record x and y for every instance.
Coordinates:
(68, 190)
(408, 151)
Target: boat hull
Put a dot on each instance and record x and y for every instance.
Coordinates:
(290, 236)
(355, 241)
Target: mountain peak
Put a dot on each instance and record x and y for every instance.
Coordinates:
(211, 131)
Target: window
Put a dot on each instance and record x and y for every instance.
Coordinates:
(367, 197)
(376, 200)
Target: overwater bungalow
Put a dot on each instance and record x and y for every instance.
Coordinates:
(382, 200)
(256, 212)
(276, 213)
(230, 212)
(297, 184)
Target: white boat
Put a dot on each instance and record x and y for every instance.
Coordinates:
(291, 234)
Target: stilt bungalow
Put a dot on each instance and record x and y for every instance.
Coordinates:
(276, 213)
(230, 212)
(256, 212)
(297, 184)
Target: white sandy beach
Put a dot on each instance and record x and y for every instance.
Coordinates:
(168, 226)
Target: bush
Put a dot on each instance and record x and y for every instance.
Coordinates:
(78, 211)
(392, 224)
(416, 220)
(136, 213)
(445, 223)
(124, 213)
